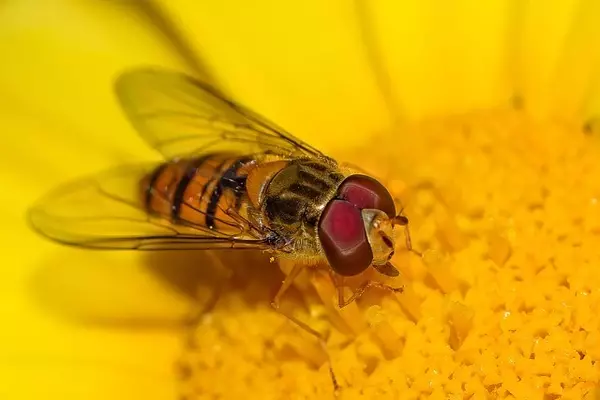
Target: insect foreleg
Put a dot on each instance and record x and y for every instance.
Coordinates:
(360, 290)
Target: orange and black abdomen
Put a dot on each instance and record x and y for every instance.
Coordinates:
(196, 191)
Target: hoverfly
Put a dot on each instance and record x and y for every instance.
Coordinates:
(230, 180)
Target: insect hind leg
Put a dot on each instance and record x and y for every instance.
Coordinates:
(275, 303)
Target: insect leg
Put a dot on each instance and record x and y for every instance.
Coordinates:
(360, 290)
(275, 303)
(232, 212)
(287, 283)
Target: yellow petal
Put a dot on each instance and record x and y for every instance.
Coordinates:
(75, 324)
(303, 67)
(59, 64)
(444, 58)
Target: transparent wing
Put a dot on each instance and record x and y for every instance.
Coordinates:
(179, 115)
(105, 212)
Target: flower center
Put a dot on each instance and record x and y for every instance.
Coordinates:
(504, 303)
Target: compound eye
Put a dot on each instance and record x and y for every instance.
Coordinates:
(366, 192)
(343, 238)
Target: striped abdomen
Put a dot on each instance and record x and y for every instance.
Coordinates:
(196, 191)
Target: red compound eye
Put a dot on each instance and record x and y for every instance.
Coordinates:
(344, 239)
(366, 192)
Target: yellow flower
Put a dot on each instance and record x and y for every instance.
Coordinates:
(481, 114)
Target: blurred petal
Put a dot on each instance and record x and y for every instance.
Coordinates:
(444, 57)
(303, 66)
(59, 120)
(559, 57)
(59, 63)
